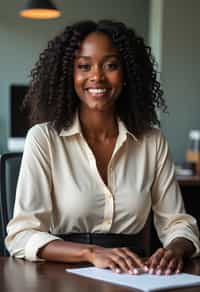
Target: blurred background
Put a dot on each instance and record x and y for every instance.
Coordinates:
(171, 27)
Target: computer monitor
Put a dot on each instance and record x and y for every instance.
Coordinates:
(19, 124)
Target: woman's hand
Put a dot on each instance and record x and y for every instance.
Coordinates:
(165, 261)
(117, 259)
(169, 260)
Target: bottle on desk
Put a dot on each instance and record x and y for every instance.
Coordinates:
(193, 152)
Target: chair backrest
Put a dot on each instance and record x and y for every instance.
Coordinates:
(9, 171)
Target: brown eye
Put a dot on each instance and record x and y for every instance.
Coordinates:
(84, 67)
(111, 66)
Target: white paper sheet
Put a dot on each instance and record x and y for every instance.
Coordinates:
(145, 282)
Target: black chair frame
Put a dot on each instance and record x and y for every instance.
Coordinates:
(3, 194)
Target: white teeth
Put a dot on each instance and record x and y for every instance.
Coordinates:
(97, 90)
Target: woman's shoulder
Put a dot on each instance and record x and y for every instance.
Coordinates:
(154, 134)
(40, 133)
(156, 140)
(42, 129)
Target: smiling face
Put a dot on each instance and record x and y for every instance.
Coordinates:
(98, 74)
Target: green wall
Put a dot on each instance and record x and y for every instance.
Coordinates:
(22, 40)
(181, 72)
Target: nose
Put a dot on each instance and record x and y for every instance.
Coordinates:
(97, 74)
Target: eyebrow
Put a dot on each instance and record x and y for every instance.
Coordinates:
(105, 57)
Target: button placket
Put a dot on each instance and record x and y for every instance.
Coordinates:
(109, 199)
(90, 156)
(108, 211)
(110, 175)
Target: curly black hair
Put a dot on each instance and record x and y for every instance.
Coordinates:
(51, 96)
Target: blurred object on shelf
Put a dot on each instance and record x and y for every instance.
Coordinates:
(193, 152)
(186, 169)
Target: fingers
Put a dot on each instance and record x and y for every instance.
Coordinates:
(135, 258)
(126, 260)
(114, 258)
(175, 265)
(179, 267)
(154, 260)
(167, 262)
(122, 260)
(164, 261)
(114, 267)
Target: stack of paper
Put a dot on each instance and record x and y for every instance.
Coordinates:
(145, 282)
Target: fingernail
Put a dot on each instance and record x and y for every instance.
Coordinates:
(138, 271)
(146, 268)
(135, 271)
(158, 272)
(168, 271)
(117, 271)
(178, 271)
(151, 271)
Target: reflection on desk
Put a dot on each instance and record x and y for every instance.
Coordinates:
(18, 275)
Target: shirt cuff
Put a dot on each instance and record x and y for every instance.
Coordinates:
(35, 242)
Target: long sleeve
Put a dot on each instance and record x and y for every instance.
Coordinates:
(29, 229)
(170, 218)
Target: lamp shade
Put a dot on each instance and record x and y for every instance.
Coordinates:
(39, 9)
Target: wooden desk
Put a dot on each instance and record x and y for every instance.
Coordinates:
(19, 276)
(190, 188)
(189, 181)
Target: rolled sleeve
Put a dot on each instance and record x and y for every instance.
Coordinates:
(176, 226)
(170, 218)
(37, 241)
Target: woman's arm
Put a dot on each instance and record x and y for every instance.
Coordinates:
(117, 259)
(177, 230)
(62, 251)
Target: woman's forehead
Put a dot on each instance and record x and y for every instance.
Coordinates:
(97, 43)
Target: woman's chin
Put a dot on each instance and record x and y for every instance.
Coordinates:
(100, 107)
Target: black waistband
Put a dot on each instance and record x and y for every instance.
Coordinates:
(134, 242)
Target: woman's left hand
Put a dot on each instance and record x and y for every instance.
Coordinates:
(165, 261)
(169, 260)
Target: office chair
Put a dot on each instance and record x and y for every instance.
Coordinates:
(9, 170)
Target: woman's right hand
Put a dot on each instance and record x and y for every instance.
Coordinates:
(119, 260)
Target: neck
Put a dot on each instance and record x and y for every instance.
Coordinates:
(98, 125)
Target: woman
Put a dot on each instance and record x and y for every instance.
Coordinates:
(95, 165)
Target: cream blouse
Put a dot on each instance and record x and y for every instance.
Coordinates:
(60, 190)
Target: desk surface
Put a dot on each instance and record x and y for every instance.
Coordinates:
(18, 276)
(189, 181)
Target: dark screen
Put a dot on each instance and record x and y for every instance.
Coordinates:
(18, 118)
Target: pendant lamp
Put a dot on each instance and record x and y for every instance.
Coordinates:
(39, 9)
